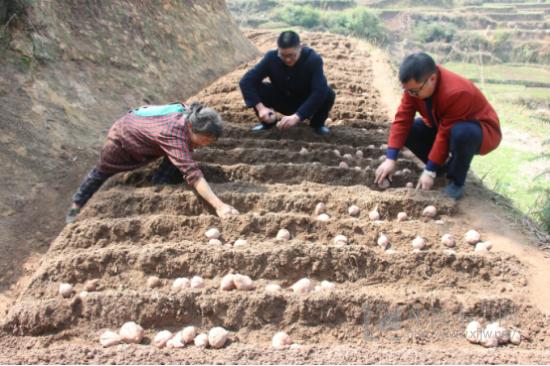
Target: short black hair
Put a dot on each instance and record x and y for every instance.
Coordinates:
(416, 66)
(288, 39)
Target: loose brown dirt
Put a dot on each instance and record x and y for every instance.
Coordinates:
(403, 307)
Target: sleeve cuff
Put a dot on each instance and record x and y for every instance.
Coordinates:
(431, 166)
(392, 153)
(192, 177)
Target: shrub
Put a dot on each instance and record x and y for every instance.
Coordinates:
(443, 32)
(357, 22)
(299, 15)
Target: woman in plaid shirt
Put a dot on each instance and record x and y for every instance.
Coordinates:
(147, 133)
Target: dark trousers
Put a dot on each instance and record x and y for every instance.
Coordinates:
(91, 183)
(281, 103)
(465, 141)
(166, 173)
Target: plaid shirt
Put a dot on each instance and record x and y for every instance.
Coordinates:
(134, 141)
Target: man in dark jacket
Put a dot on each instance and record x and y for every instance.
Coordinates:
(297, 89)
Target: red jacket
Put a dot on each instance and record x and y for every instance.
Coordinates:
(455, 99)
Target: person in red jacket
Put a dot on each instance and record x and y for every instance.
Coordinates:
(456, 123)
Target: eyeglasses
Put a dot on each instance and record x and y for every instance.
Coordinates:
(416, 92)
(288, 55)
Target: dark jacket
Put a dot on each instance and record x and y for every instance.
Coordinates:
(304, 82)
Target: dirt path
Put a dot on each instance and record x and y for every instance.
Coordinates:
(396, 306)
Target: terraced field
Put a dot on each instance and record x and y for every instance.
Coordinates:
(387, 306)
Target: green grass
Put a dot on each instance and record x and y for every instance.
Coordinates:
(512, 169)
(527, 72)
(512, 172)
(517, 106)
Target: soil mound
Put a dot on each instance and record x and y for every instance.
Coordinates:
(397, 306)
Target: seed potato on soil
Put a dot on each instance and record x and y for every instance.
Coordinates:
(213, 233)
(217, 337)
(161, 338)
(353, 210)
(302, 286)
(340, 240)
(130, 332)
(175, 342)
(472, 237)
(383, 241)
(320, 208)
(281, 340)
(483, 246)
(91, 285)
(201, 340)
(240, 242)
(374, 214)
(243, 283)
(228, 282)
(153, 281)
(109, 339)
(323, 217)
(429, 211)
(448, 240)
(283, 235)
(188, 334)
(197, 282)
(473, 332)
(418, 243)
(384, 184)
(272, 288)
(402, 216)
(66, 290)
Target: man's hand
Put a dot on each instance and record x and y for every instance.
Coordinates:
(288, 122)
(265, 114)
(425, 182)
(384, 171)
(226, 210)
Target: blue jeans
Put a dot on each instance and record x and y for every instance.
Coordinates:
(465, 141)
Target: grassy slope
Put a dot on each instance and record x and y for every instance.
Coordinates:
(513, 168)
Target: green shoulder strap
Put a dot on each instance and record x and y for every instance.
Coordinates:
(159, 110)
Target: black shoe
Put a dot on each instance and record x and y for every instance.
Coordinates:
(261, 127)
(71, 215)
(322, 130)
